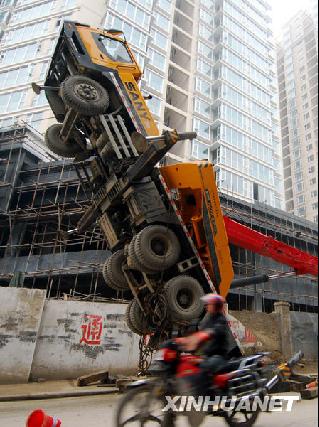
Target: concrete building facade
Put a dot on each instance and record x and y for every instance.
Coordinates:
(298, 95)
(207, 64)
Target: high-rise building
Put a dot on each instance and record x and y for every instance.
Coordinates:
(298, 96)
(208, 64)
(28, 33)
(314, 14)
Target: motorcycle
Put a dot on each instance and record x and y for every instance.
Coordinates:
(174, 374)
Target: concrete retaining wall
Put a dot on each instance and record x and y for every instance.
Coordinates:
(20, 318)
(305, 333)
(76, 338)
(61, 339)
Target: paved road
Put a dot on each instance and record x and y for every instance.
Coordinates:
(98, 411)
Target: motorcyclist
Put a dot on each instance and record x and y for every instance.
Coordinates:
(212, 338)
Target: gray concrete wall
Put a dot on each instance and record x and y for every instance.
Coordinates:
(305, 333)
(77, 338)
(20, 317)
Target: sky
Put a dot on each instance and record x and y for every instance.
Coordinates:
(283, 10)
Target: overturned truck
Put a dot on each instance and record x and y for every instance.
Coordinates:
(164, 225)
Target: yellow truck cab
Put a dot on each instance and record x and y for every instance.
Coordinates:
(93, 72)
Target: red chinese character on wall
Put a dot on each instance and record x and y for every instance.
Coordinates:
(92, 330)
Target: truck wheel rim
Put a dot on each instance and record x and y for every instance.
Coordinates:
(158, 247)
(184, 298)
(86, 92)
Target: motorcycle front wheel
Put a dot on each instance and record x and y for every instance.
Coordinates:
(141, 407)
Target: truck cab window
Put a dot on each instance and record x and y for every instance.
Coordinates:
(116, 50)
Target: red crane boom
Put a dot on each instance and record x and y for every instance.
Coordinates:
(300, 261)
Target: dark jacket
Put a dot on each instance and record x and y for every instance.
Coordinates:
(217, 325)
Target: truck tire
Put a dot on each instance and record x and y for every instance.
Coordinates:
(55, 143)
(183, 294)
(85, 96)
(107, 278)
(157, 248)
(135, 264)
(128, 318)
(114, 270)
(138, 319)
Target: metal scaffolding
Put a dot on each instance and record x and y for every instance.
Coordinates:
(41, 199)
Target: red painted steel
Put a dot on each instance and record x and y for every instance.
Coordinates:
(245, 237)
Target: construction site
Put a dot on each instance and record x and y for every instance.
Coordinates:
(110, 253)
(42, 198)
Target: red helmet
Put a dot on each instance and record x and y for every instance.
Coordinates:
(217, 300)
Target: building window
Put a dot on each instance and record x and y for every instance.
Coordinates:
(34, 12)
(155, 81)
(202, 107)
(156, 59)
(302, 211)
(299, 187)
(44, 70)
(27, 32)
(7, 123)
(19, 76)
(35, 120)
(159, 39)
(162, 21)
(234, 183)
(6, 3)
(40, 100)
(19, 54)
(3, 16)
(140, 59)
(311, 158)
(166, 5)
(202, 128)
(200, 151)
(154, 105)
(203, 86)
(133, 35)
(132, 12)
(311, 169)
(68, 4)
(13, 101)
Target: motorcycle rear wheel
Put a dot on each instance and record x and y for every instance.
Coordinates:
(241, 418)
(169, 419)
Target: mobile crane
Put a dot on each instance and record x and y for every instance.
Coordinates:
(164, 225)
